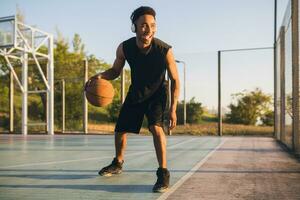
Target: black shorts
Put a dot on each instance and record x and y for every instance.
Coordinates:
(131, 115)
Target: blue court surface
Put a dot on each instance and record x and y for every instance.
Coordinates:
(66, 166)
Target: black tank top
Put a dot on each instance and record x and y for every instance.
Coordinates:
(147, 69)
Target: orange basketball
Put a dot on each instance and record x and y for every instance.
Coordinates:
(99, 92)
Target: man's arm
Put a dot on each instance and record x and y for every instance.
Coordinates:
(172, 70)
(117, 67)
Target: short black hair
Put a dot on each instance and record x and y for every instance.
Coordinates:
(143, 10)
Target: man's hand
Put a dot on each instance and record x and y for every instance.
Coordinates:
(172, 71)
(97, 76)
(173, 119)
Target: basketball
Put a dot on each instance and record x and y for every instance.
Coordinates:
(99, 92)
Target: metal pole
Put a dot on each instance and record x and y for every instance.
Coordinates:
(184, 90)
(85, 105)
(50, 76)
(246, 49)
(275, 22)
(295, 64)
(275, 69)
(219, 95)
(63, 117)
(123, 85)
(282, 84)
(169, 104)
(24, 93)
(47, 106)
(11, 102)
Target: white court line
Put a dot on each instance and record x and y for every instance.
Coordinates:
(94, 158)
(180, 143)
(67, 161)
(189, 174)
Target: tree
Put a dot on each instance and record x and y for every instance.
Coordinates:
(78, 46)
(114, 109)
(249, 107)
(268, 118)
(289, 104)
(20, 14)
(194, 111)
(68, 66)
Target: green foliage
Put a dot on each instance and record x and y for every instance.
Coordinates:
(96, 65)
(289, 104)
(68, 66)
(98, 115)
(249, 107)
(78, 46)
(4, 102)
(194, 111)
(268, 118)
(37, 112)
(114, 109)
(4, 95)
(208, 117)
(3, 67)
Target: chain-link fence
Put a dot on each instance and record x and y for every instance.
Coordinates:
(246, 91)
(287, 78)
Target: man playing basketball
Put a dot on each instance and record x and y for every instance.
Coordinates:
(149, 58)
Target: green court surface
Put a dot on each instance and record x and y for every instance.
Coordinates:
(66, 166)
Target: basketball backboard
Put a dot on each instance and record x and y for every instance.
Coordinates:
(7, 32)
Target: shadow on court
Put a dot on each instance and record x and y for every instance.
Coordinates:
(107, 188)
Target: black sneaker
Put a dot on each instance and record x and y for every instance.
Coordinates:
(114, 168)
(163, 179)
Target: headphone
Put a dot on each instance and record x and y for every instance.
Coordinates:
(133, 27)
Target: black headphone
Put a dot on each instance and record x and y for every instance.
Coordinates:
(133, 27)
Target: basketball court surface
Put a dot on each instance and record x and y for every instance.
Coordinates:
(66, 167)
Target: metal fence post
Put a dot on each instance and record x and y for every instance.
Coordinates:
(282, 85)
(275, 70)
(11, 103)
(123, 85)
(219, 96)
(63, 117)
(85, 104)
(295, 64)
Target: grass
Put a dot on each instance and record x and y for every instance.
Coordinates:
(227, 129)
(207, 126)
(108, 128)
(203, 128)
(197, 129)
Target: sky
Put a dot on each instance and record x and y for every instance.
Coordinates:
(196, 30)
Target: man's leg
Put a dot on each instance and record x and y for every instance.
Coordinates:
(120, 145)
(117, 164)
(162, 173)
(130, 120)
(160, 143)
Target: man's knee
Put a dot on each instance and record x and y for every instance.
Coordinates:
(120, 134)
(156, 130)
